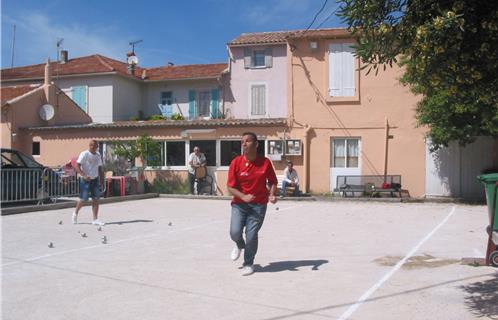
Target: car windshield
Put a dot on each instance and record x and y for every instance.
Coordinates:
(15, 159)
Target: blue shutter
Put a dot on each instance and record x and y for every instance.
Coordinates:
(214, 103)
(191, 104)
(79, 96)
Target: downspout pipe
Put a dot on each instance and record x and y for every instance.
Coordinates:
(306, 162)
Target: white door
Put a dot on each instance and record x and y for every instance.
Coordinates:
(344, 159)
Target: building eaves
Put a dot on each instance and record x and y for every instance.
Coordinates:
(214, 123)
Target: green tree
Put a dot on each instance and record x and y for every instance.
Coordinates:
(145, 148)
(449, 51)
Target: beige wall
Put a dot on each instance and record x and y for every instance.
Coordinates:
(378, 97)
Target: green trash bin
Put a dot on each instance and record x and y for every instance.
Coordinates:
(490, 182)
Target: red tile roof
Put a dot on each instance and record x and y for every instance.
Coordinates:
(186, 72)
(216, 123)
(96, 64)
(282, 36)
(9, 93)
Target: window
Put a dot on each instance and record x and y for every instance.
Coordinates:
(293, 147)
(258, 100)
(208, 147)
(229, 150)
(258, 58)
(79, 96)
(35, 150)
(155, 157)
(346, 153)
(166, 98)
(175, 153)
(342, 72)
(204, 103)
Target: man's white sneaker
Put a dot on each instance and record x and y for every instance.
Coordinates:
(235, 254)
(74, 218)
(97, 222)
(247, 270)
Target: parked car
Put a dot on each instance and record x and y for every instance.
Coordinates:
(24, 179)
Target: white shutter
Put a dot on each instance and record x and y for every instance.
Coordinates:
(268, 57)
(247, 58)
(258, 100)
(335, 70)
(348, 67)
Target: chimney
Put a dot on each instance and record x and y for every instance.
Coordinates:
(48, 76)
(64, 56)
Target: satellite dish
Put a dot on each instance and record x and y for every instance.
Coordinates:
(132, 60)
(46, 112)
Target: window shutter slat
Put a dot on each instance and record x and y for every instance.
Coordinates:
(247, 58)
(214, 103)
(348, 71)
(335, 70)
(268, 57)
(191, 104)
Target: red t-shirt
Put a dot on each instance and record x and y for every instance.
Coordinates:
(251, 177)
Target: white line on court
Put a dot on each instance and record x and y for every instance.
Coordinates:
(386, 277)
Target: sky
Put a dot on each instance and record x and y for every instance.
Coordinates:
(177, 31)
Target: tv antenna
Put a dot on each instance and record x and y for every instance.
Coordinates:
(133, 43)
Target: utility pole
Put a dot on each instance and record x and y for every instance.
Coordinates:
(13, 47)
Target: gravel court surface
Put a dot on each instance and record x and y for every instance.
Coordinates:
(169, 259)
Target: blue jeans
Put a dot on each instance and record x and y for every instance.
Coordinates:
(89, 188)
(295, 193)
(250, 216)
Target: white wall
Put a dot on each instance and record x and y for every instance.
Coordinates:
(452, 172)
(127, 98)
(180, 89)
(99, 94)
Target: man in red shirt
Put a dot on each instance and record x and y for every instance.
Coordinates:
(247, 179)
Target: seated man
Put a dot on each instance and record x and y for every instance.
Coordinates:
(290, 179)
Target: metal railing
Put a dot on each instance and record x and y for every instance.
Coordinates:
(37, 184)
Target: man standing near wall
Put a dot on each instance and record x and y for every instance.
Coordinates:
(195, 160)
(89, 167)
(247, 179)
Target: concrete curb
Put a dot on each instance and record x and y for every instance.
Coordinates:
(72, 203)
(208, 197)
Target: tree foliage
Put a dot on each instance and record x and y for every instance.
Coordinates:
(145, 148)
(449, 51)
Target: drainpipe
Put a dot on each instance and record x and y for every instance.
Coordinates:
(386, 149)
(306, 154)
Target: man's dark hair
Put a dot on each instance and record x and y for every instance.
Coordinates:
(252, 134)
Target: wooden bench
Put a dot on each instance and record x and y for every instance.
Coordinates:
(369, 185)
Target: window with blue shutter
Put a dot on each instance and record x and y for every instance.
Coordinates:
(215, 112)
(79, 96)
(191, 104)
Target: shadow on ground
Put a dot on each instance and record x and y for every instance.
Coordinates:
(482, 297)
(129, 221)
(291, 265)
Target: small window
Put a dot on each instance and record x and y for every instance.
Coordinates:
(204, 103)
(35, 149)
(229, 150)
(167, 98)
(208, 147)
(258, 100)
(175, 153)
(342, 73)
(79, 95)
(346, 153)
(258, 57)
(275, 147)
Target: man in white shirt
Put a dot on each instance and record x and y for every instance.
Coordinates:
(290, 179)
(89, 167)
(195, 160)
